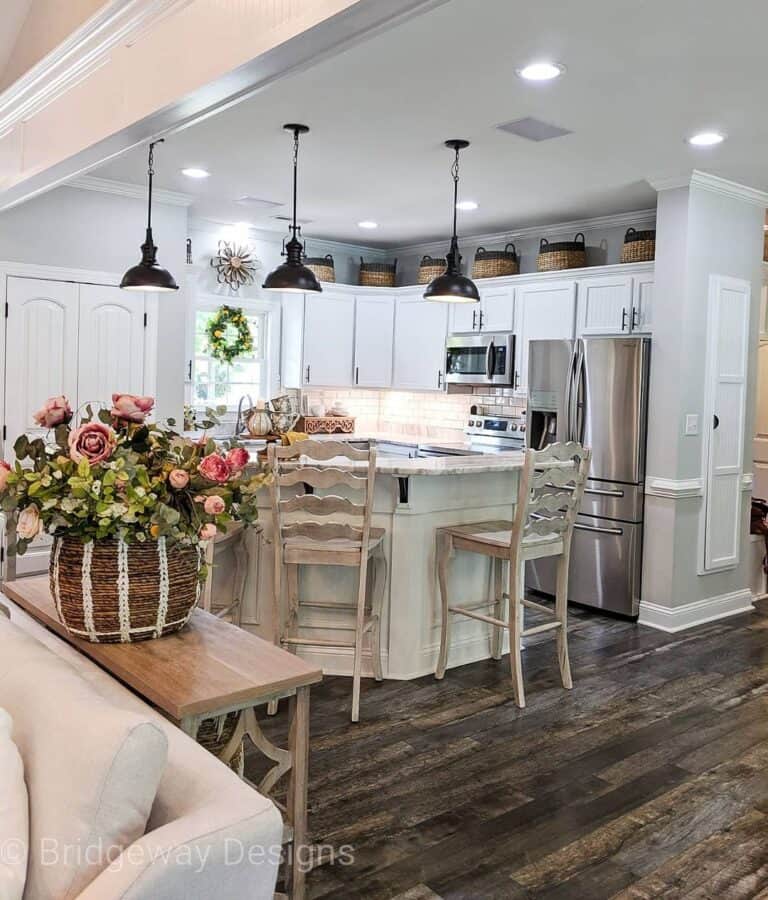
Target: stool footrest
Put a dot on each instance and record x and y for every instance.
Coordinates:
(315, 642)
(479, 616)
(537, 629)
(532, 604)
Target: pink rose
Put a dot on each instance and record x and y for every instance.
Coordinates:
(93, 442)
(130, 407)
(215, 468)
(55, 411)
(238, 459)
(214, 505)
(29, 524)
(5, 470)
(178, 479)
(207, 532)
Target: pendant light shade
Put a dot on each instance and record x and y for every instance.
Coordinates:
(452, 286)
(147, 275)
(293, 276)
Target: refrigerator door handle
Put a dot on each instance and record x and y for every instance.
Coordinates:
(569, 394)
(602, 493)
(580, 400)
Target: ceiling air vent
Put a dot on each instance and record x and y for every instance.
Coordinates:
(257, 202)
(533, 129)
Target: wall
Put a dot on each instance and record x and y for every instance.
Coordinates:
(604, 239)
(88, 230)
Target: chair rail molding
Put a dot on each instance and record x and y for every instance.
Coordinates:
(673, 489)
(79, 55)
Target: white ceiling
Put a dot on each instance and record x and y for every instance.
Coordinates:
(640, 77)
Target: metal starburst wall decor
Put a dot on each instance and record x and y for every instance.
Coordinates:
(235, 264)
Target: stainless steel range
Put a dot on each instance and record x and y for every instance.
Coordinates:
(486, 434)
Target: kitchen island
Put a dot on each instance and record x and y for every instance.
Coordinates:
(412, 498)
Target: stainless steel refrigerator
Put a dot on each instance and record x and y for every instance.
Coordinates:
(595, 390)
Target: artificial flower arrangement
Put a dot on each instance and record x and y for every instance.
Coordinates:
(129, 502)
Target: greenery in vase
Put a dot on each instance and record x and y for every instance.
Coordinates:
(117, 475)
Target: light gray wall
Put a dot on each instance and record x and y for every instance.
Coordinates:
(81, 229)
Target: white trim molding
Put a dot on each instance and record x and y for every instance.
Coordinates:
(79, 55)
(747, 480)
(638, 217)
(680, 618)
(712, 183)
(672, 489)
(125, 189)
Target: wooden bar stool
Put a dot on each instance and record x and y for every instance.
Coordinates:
(548, 499)
(235, 538)
(303, 540)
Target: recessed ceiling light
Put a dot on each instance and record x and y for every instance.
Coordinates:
(466, 205)
(541, 71)
(706, 139)
(195, 173)
(367, 223)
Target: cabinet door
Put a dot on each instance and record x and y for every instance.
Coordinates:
(420, 331)
(498, 309)
(464, 317)
(41, 355)
(329, 329)
(544, 311)
(110, 343)
(374, 333)
(764, 312)
(642, 303)
(605, 305)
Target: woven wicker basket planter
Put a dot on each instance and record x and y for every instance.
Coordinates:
(639, 246)
(493, 263)
(562, 255)
(112, 592)
(215, 735)
(377, 274)
(430, 267)
(322, 266)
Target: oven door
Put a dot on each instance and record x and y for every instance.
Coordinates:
(480, 359)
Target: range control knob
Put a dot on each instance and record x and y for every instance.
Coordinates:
(522, 428)
(513, 427)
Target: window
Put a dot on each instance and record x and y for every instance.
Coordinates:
(215, 383)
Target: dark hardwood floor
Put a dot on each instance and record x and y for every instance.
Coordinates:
(648, 780)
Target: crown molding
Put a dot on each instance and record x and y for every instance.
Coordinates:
(641, 216)
(125, 189)
(83, 52)
(714, 184)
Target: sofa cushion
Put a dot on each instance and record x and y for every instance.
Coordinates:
(14, 816)
(92, 769)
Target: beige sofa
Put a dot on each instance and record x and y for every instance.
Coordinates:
(229, 833)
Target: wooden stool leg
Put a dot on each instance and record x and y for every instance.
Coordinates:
(377, 603)
(359, 622)
(561, 614)
(292, 585)
(206, 595)
(444, 552)
(515, 628)
(497, 634)
(277, 606)
(242, 566)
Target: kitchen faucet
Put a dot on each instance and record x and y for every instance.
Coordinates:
(239, 423)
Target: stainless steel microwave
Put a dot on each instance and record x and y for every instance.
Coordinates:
(480, 359)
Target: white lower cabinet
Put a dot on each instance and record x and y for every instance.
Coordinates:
(421, 327)
(374, 336)
(545, 311)
(329, 327)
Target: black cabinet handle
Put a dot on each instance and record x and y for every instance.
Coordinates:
(307, 374)
(635, 318)
(474, 319)
(715, 422)
(623, 318)
(439, 378)
(189, 371)
(357, 374)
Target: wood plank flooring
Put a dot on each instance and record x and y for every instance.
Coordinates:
(648, 780)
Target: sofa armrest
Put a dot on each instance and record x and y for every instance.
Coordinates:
(216, 852)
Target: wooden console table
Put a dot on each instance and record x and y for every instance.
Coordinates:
(209, 670)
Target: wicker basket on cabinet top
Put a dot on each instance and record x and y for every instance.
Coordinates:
(322, 266)
(493, 263)
(377, 274)
(639, 246)
(562, 255)
(431, 267)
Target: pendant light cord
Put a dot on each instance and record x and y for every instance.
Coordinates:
(295, 176)
(150, 173)
(455, 173)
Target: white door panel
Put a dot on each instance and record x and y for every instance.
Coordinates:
(420, 332)
(111, 343)
(41, 351)
(498, 309)
(605, 305)
(374, 333)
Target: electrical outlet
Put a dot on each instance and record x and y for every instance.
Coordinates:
(691, 424)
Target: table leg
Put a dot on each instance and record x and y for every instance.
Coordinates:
(298, 742)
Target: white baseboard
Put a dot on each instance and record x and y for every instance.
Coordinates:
(679, 618)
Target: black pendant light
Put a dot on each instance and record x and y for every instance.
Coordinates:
(293, 276)
(452, 286)
(148, 276)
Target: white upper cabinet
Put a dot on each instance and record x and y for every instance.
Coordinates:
(329, 327)
(545, 310)
(615, 304)
(495, 312)
(420, 330)
(41, 354)
(374, 335)
(110, 343)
